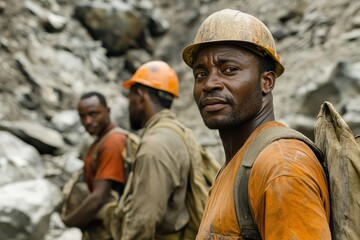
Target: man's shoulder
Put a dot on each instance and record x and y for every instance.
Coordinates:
(114, 138)
(161, 137)
(290, 148)
(281, 143)
(286, 157)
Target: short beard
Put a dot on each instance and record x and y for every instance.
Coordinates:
(134, 124)
(231, 122)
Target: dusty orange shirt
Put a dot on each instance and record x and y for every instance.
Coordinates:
(287, 189)
(110, 163)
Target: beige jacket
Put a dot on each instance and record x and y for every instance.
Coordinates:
(155, 203)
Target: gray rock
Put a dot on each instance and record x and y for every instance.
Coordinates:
(27, 220)
(135, 58)
(356, 22)
(352, 35)
(65, 120)
(302, 123)
(117, 25)
(2, 7)
(44, 139)
(158, 25)
(18, 161)
(342, 83)
(50, 21)
(58, 230)
(352, 115)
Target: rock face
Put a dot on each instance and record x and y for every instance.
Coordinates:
(26, 208)
(19, 160)
(117, 25)
(52, 51)
(45, 140)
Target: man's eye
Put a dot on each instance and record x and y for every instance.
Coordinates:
(93, 114)
(230, 69)
(199, 74)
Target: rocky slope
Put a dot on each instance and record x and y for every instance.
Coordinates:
(44, 68)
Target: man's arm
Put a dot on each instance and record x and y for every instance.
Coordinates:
(88, 209)
(146, 205)
(109, 174)
(294, 210)
(288, 191)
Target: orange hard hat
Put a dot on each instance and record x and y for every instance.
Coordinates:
(233, 26)
(156, 74)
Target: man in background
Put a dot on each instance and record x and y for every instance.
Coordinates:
(154, 205)
(103, 166)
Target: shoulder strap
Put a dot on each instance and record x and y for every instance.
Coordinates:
(244, 212)
(174, 125)
(102, 140)
(357, 138)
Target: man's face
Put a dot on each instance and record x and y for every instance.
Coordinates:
(227, 86)
(136, 112)
(93, 115)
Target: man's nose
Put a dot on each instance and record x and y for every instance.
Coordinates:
(86, 120)
(213, 83)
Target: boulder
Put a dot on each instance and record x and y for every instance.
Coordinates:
(44, 139)
(19, 161)
(117, 25)
(26, 207)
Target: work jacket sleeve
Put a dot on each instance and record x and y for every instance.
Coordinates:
(151, 189)
(288, 192)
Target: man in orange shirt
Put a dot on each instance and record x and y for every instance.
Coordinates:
(103, 169)
(235, 66)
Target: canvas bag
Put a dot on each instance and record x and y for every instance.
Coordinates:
(342, 151)
(203, 171)
(339, 153)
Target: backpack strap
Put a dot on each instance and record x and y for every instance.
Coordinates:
(174, 125)
(196, 191)
(357, 138)
(244, 212)
(95, 162)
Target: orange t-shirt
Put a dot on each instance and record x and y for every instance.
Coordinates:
(288, 193)
(110, 164)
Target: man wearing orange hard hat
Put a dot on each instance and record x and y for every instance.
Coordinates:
(154, 201)
(276, 192)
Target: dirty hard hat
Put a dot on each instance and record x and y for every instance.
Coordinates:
(156, 74)
(237, 27)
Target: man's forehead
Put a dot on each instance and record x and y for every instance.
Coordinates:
(90, 102)
(223, 50)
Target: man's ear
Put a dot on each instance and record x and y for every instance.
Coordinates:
(142, 93)
(268, 79)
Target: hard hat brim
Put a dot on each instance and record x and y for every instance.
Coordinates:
(190, 51)
(127, 84)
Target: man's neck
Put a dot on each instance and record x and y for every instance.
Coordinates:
(104, 130)
(233, 139)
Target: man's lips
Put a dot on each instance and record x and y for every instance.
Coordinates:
(91, 129)
(213, 104)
